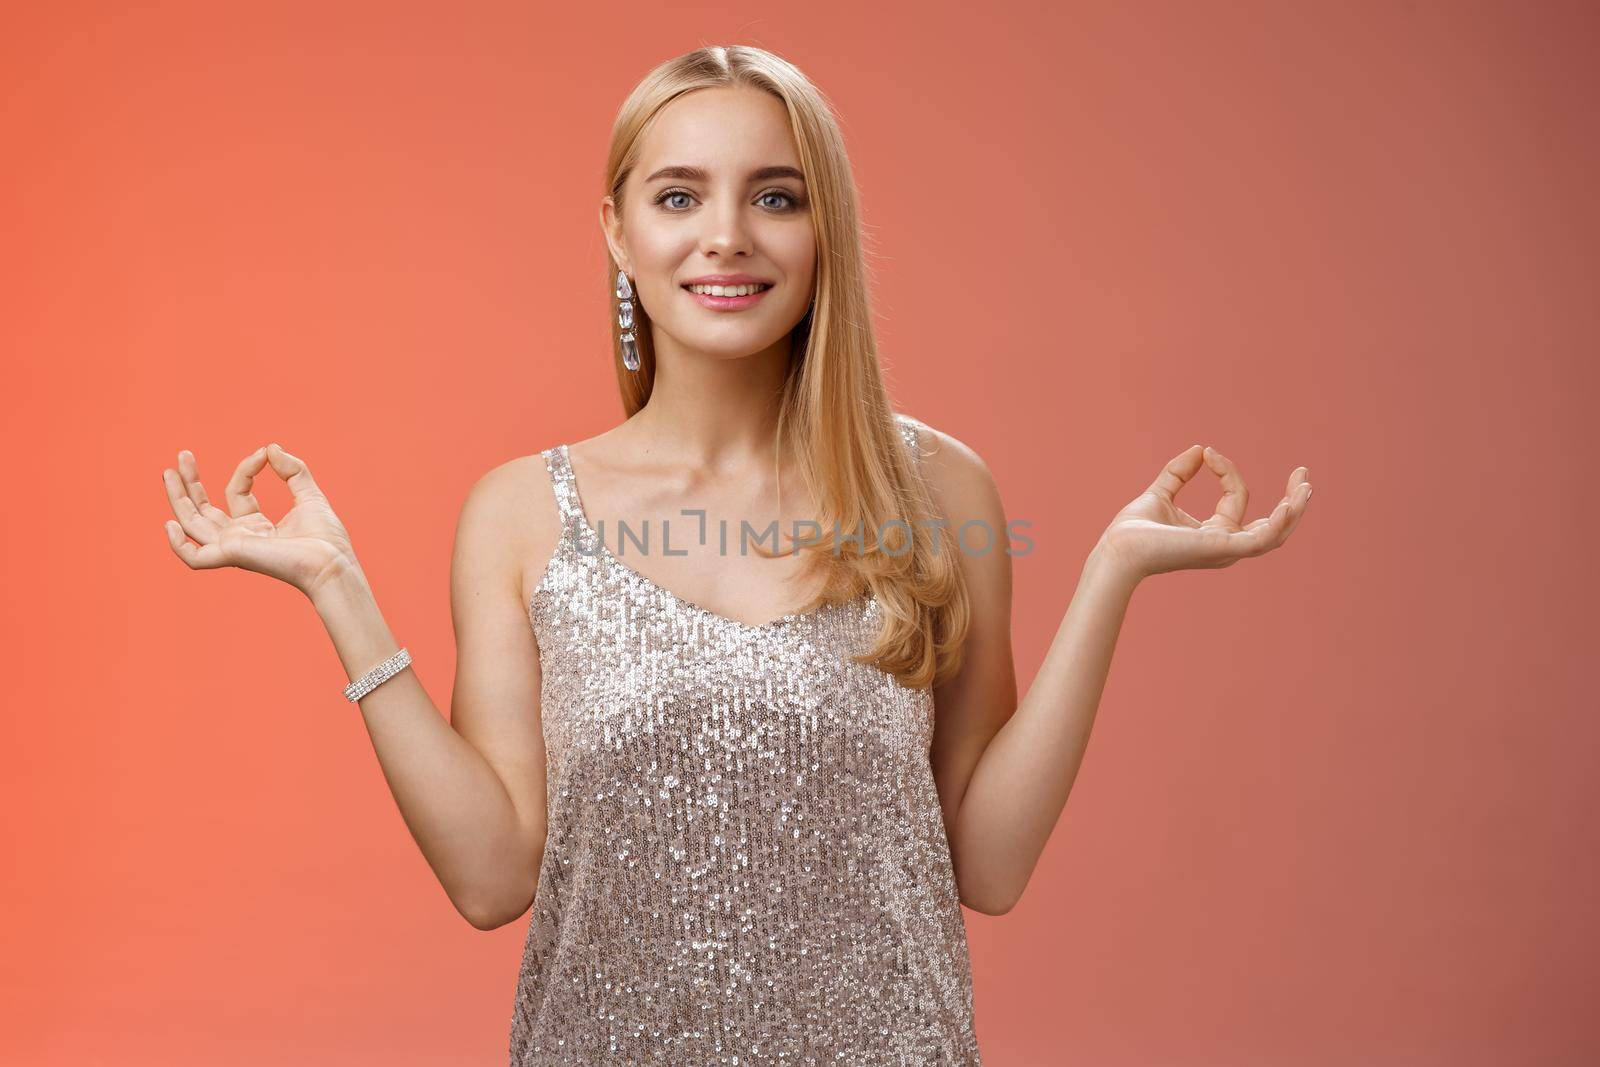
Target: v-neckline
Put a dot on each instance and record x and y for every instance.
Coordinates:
(645, 581)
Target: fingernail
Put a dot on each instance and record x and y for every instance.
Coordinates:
(1309, 492)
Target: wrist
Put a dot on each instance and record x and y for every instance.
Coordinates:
(1107, 561)
(341, 586)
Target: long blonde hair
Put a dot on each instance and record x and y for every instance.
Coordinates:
(834, 412)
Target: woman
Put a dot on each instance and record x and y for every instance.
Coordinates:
(745, 792)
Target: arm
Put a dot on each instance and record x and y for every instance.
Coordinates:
(471, 790)
(1005, 769)
(1023, 774)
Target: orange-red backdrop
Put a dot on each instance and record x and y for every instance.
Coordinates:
(1338, 806)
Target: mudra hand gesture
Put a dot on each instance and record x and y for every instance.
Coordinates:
(1153, 534)
(306, 547)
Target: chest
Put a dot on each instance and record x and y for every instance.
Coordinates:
(632, 674)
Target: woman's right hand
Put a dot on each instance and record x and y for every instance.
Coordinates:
(306, 548)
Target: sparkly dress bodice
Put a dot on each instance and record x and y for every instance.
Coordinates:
(745, 860)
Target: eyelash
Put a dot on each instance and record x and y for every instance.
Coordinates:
(795, 202)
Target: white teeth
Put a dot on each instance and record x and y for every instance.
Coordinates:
(726, 290)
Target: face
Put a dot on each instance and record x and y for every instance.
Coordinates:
(718, 191)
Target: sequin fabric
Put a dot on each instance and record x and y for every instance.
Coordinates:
(746, 862)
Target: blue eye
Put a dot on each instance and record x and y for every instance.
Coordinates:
(792, 202)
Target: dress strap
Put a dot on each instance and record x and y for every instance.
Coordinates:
(563, 484)
(911, 432)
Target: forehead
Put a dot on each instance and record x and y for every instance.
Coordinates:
(720, 127)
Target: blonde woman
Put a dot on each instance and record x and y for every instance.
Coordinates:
(744, 782)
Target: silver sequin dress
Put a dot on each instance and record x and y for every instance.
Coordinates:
(746, 862)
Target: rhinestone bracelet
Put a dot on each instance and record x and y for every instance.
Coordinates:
(377, 676)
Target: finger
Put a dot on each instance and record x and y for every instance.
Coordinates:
(1295, 499)
(198, 557)
(1235, 497)
(1269, 533)
(1264, 520)
(191, 521)
(241, 501)
(189, 471)
(1298, 510)
(1297, 477)
(1287, 501)
(1176, 474)
(1262, 535)
(293, 470)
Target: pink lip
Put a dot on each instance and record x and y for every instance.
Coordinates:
(726, 303)
(728, 279)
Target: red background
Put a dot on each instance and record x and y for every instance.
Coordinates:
(1339, 803)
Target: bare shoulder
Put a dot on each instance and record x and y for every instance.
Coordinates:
(509, 520)
(958, 477)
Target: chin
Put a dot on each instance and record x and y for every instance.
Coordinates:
(723, 349)
(734, 343)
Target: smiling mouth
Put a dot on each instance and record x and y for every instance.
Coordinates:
(727, 297)
(728, 290)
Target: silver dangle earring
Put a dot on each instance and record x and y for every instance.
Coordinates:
(630, 354)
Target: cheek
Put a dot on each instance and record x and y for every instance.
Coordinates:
(658, 258)
(799, 249)
(656, 251)
(798, 256)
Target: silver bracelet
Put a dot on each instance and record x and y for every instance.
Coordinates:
(377, 676)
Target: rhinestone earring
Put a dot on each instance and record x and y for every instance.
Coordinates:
(630, 354)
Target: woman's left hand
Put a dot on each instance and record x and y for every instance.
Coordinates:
(1153, 534)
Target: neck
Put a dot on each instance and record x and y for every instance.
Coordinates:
(712, 411)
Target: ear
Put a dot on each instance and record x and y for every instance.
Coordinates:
(611, 227)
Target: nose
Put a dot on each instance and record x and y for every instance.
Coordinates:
(727, 230)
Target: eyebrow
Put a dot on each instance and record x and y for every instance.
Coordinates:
(698, 174)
